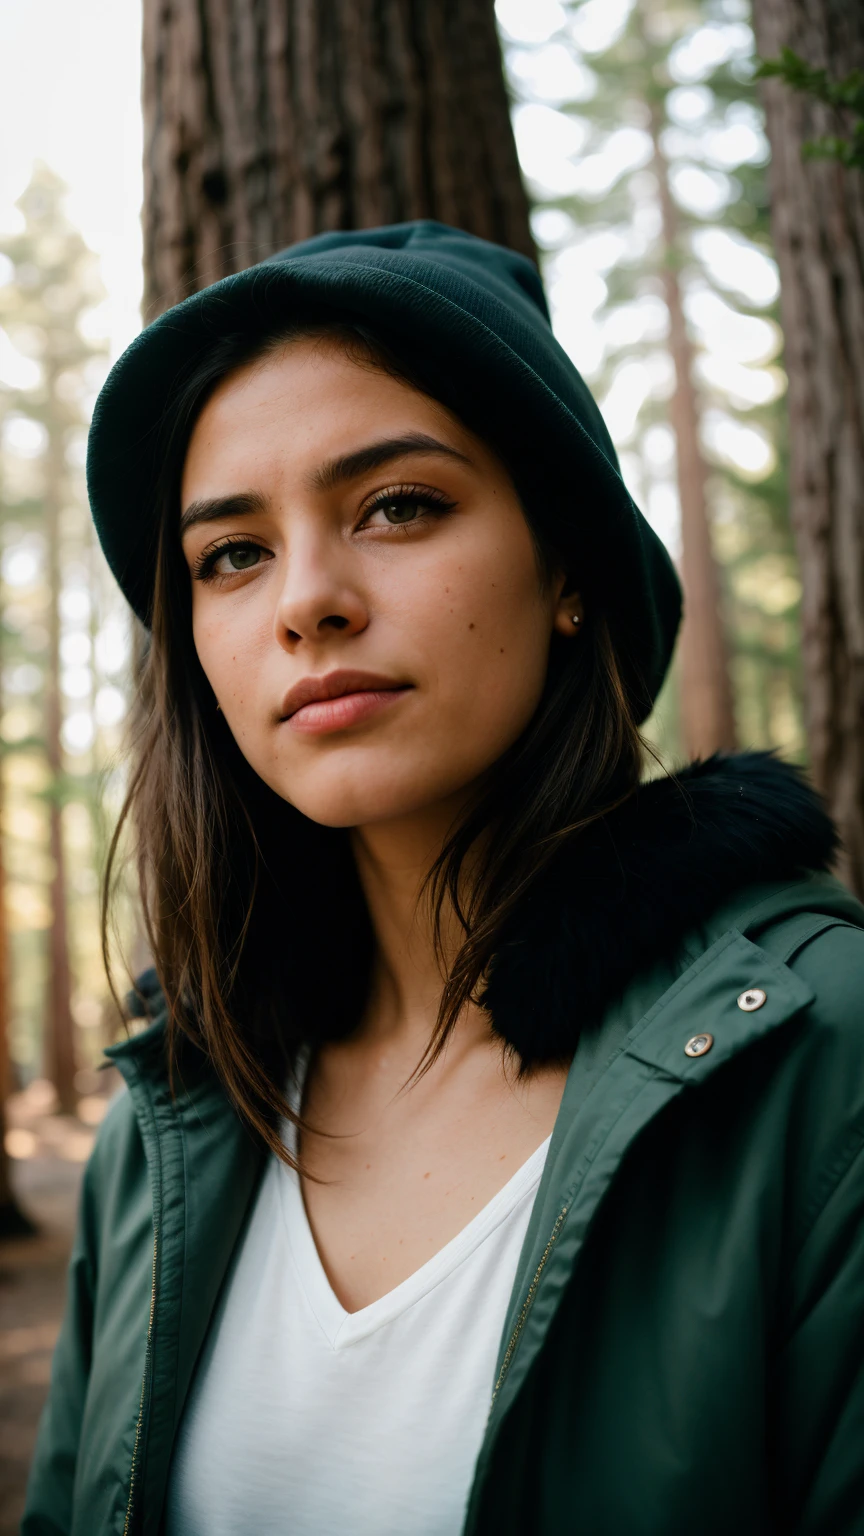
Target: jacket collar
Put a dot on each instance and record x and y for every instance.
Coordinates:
(628, 891)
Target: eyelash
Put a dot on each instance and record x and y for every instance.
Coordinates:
(426, 496)
(435, 502)
(202, 570)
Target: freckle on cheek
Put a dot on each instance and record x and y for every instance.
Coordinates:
(470, 626)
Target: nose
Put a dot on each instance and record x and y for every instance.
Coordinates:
(318, 596)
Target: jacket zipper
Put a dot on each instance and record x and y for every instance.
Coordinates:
(526, 1305)
(133, 1472)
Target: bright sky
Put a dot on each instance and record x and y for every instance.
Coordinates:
(70, 95)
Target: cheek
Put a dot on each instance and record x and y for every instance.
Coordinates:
(486, 633)
(227, 649)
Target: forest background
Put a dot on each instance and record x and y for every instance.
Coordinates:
(641, 138)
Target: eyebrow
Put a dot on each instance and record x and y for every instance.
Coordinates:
(212, 508)
(336, 471)
(327, 477)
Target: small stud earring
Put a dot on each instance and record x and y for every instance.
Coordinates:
(576, 618)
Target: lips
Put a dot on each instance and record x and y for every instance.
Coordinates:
(361, 693)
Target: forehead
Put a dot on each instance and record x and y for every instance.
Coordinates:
(302, 404)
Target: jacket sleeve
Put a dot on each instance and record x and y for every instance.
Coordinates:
(821, 1397)
(48, 1508)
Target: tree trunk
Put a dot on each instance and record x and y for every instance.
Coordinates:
(817, 219)
(60, 1027)
(267, 121)
(13, 1222)
(707, 708)
(7, 1198)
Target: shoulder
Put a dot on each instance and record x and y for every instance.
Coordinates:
(805, 1090)
(118, 1133)
(815, 929)
(830, 1039)
(823, 1130)
(832, 962)
(785, 1066)
(812, 931)
(116, 1178)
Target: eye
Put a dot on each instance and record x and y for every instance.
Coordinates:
(405, 504)
(400, 510)
(228, 559)
(241, 558)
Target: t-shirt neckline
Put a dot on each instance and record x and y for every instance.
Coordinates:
(342, 1328)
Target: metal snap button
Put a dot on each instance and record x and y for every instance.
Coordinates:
(752, 999)
(699, 1045)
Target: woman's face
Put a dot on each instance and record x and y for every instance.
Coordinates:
(366, 600)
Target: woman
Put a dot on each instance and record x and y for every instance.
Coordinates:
(477, 1073)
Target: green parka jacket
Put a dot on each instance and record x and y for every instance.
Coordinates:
(684, 1349)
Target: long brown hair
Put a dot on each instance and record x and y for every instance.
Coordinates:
(247, 967)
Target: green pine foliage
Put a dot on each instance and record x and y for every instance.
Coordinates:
(845, 97)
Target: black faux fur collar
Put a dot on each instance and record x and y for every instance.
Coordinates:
(631, 887)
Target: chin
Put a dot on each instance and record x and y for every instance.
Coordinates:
(346, 799)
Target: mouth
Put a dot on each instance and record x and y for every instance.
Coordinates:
(338, 700)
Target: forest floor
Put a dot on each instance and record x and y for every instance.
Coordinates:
(48, 1154)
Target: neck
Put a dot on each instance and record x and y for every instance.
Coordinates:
(393, 861)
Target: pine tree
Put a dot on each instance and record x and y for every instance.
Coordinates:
(670, 101)
(815, 117)
(53, 283)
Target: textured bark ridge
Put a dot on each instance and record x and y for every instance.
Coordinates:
(267, 121)
(818, 227)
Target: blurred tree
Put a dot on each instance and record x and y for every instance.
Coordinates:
(817, 209)
(53, 283)
(661, 187)
(13, 1222)
(267, 121)
(707, 709)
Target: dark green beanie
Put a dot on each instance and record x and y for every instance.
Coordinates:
(474, 311)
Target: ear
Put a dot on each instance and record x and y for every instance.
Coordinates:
(569, 613)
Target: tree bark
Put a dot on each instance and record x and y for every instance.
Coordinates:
(267, 121)
(707, 707)
(817, 218)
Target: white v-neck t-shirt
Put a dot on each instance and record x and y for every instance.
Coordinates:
(307, 1420)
